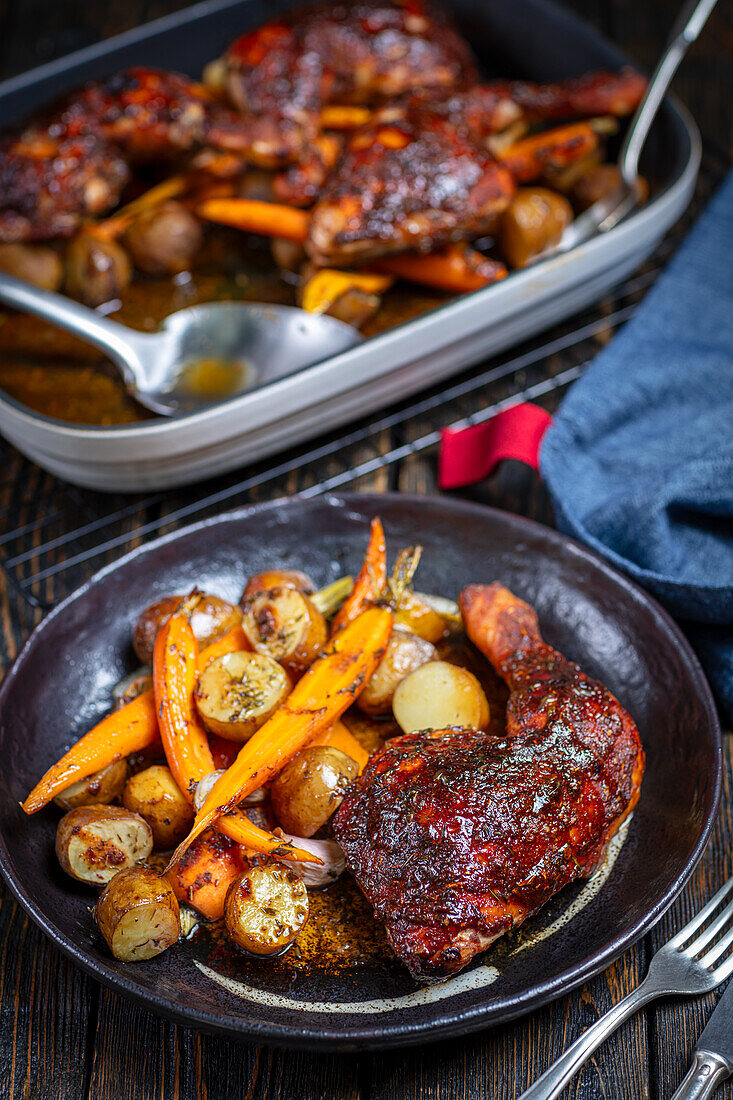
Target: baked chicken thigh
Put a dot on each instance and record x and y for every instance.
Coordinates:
(456, 835)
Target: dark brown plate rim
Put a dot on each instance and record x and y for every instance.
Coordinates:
(452, 1022)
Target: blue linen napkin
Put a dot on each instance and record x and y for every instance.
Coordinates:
(639, 458)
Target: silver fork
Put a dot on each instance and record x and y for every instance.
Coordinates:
(684, 966)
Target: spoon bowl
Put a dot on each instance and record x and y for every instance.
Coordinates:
(200, 355)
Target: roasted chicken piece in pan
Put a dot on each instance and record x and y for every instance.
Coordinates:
(412, 179)
(457, 835)
(52, 177)
(284, 72)
(74, 164)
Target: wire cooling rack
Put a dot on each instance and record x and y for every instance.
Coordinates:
(53, 535)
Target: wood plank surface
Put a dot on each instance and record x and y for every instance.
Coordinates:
(62, 1036)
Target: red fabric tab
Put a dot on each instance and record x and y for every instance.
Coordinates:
(470, 454)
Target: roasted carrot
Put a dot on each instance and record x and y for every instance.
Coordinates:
(346, 117)
(131, 729)
(237, 826)
(230, 642)
(154, 196)
(175, 661)
(338, 736)
(331, 684)
(272, 219)
(371, 581)
(456, 269)
(185, 743)
(206, 872)
(528, 158)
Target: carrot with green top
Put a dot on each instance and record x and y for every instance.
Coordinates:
(371, 581)
(326, 690)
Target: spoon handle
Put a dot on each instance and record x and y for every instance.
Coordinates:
(690, 22)
(117, 340)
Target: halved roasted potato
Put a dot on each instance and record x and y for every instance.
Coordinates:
(438, 695)
(93, 843)
(138, 914)
(211, 618)
(284, 624)
(266, 908)
(405, 652)
(238, 692)
(310, 788)
(154, 794)
(97, 789)
(277, 578)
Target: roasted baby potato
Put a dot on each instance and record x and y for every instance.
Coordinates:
(533, 221)
(97, 789)
(138, 914)
(211, 618)
(206, 871)
(438, 695)
(310, 788)
(93, 843)
(165, 239)
(238, 692)
(34, 263)
(277, 578)
(594, 184)
(284, 624)
(97, 270)
(416, 615)
(154, 794)
(266, 908)
(405, 652)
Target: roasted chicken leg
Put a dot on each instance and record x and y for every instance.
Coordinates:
(456, 836)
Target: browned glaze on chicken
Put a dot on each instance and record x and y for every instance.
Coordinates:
(413, 178)
(456, 836)
(75, 164)
(595, 93)
(51, 177)
(361, 52)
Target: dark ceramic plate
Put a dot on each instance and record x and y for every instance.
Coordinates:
(61, 683)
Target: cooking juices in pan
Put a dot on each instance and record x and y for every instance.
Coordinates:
(57, 375)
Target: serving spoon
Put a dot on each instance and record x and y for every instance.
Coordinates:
(608, 211)
(200, 354)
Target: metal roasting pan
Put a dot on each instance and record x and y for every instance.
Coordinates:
(532, 38)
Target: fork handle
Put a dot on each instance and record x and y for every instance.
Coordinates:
(554, 1079)
(703, 1077)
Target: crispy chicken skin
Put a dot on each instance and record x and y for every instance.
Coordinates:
(413, 178)
(360, 52)
(75, 162)
(456, 836)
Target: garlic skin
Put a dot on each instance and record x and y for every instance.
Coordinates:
(122, 687)
(203, 790)
(315, 874)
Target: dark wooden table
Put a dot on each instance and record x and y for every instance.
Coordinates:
(62, 1036)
